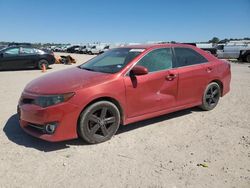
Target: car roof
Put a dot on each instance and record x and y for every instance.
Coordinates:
(149, 46)
(208, 56)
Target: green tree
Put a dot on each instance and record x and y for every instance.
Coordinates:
(214, 40)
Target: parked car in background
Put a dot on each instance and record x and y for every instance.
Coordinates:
(244, 55)
(58, 49)
(208, 47)
(2, 46)
(96, 49)
(82, 49)
(232, 50)
(105, 49)
(121, 86)
(72, 49)
(22, 57)
(63, 48)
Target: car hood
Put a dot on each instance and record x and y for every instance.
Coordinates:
(66, 81)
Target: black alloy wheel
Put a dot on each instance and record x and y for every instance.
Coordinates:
(99, 122)
(211, 96)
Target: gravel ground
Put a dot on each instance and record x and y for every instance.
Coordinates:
(189, 148)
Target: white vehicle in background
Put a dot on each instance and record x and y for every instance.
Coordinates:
(106, 48)
(97, 49)
(204, 45)
(208, 47)
(232, 49)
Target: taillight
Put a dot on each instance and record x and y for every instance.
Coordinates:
(228, 64)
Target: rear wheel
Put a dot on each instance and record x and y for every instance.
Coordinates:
(99, 122)
(41, 63)
(211, 96)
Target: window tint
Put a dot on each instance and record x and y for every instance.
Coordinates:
(157, 60)
(187, 56)
(27, 51)
(12, 51)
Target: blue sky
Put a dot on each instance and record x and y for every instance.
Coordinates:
(79, 21)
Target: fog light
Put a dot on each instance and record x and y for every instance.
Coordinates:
(50, 128)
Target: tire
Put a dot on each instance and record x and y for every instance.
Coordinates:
(41, 62)
(90, 53)
(248, 58)
(211, 96)
(99, 122)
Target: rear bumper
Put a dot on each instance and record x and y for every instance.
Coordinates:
(226, 82)
(34, 118)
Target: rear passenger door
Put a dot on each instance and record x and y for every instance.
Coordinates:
(192, 75)
(27, 57)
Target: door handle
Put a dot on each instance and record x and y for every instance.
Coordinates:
(171, 77)
(209, 69)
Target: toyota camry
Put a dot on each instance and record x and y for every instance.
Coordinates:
(121, 86)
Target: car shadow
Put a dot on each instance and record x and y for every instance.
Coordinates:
(161, 118)
(15, 134)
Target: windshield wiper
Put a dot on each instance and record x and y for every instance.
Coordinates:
(87, 69)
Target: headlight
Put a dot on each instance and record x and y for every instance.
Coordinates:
(49, 100)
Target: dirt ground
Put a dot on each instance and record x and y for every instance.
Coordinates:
(160, 152)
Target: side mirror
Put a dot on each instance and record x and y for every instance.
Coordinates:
(139, 70)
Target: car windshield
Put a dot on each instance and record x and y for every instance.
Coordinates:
(112, 61)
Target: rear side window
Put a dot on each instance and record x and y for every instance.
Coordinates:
(157, 60)
(187, 56)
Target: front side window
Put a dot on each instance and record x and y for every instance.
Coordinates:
(12, 51)
(157, 60)
(187, 56)
(112, 61)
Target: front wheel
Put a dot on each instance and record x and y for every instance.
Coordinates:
(99, 122)
(211, 96)
(41, 63)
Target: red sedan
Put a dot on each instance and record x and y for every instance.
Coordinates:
(121, 86)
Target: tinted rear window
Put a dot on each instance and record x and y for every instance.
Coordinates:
(187, 56)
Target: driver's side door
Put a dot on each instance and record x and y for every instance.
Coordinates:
(156, 90)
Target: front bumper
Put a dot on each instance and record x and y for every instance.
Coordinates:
(34, 118)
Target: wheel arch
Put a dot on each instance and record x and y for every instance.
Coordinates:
(220, 84)
(109, 99)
